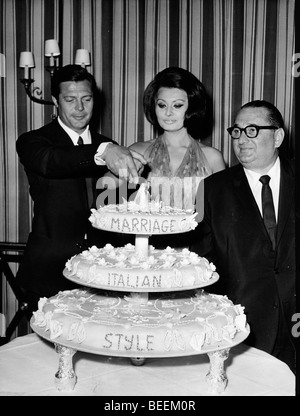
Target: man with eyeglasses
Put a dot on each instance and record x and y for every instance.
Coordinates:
(248, 229)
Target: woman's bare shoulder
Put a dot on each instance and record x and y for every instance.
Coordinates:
(214, 157)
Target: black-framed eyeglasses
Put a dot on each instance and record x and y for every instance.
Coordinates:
(251, 131)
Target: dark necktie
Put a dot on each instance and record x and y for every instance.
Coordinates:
(89, 181)
(268, 208)
(80, 141)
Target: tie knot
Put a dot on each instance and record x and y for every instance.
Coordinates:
(265, 179)
(80, 141)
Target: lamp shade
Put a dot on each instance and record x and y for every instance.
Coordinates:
(82, 57)
(51, 48)
(26, 59)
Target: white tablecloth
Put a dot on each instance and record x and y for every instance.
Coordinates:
(28, 365)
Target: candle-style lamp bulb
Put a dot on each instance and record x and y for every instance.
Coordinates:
(82, 57)
(51, 50)
(26, 62)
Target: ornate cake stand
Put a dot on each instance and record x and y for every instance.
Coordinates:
(65, 377)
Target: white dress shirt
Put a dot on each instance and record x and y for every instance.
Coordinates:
(256, 185)
(86, 137)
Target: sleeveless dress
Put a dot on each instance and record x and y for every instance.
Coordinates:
(180, 188)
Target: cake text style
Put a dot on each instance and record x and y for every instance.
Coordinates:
(121, 342)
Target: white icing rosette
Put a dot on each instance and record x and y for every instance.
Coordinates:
(121, 257)
(197, 340)
(74, 267)
(174, 341)
(134, 261)
(112, 254)
(87, 255)
(145, 265)
(94, 250)
(184, 262)
(108, 247)
(152, 260)
(169, 262)
(56, 329)
(39, 318)
(72, 331)
(92, 217)
(129, 247)
(91, 275)
(241, 322)
(69, 264)
(169, 250)
(177, 278)
(81, 333)
(101, 261)
(228, 332)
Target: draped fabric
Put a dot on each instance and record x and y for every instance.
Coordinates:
(240, 49)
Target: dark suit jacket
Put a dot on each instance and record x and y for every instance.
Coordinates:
(233, 236)
(56, 171)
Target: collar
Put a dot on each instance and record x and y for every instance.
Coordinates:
(86, 136)
(274, 173)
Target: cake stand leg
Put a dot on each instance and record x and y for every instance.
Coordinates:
(65, 377)
(138, 361)
(216, 377)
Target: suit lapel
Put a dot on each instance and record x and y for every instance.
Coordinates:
(246, 198)
(59, 135)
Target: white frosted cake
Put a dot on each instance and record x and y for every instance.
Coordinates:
(175, 324)
(152, 304)
(125, 269)
(143, 216)
(124, 219)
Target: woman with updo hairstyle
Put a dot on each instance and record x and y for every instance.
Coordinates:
(174, 77)
(175, 103)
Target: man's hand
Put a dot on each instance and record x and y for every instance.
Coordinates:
(123, 163)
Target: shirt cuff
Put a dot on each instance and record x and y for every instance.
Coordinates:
(99, 153)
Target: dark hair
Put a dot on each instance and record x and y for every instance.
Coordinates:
(70, 73)
(175, 77)
(274, 116)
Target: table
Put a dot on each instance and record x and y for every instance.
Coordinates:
(28, 365)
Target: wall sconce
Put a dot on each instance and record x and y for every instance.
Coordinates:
(52, 52)
(27, 62)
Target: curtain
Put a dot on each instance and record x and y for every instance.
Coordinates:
(240, 49)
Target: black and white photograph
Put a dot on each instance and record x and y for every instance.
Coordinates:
(147, 201)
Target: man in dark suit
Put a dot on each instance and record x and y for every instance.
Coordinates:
(254, 271)
(60, 160)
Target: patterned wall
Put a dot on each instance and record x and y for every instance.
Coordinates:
(240, 49)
